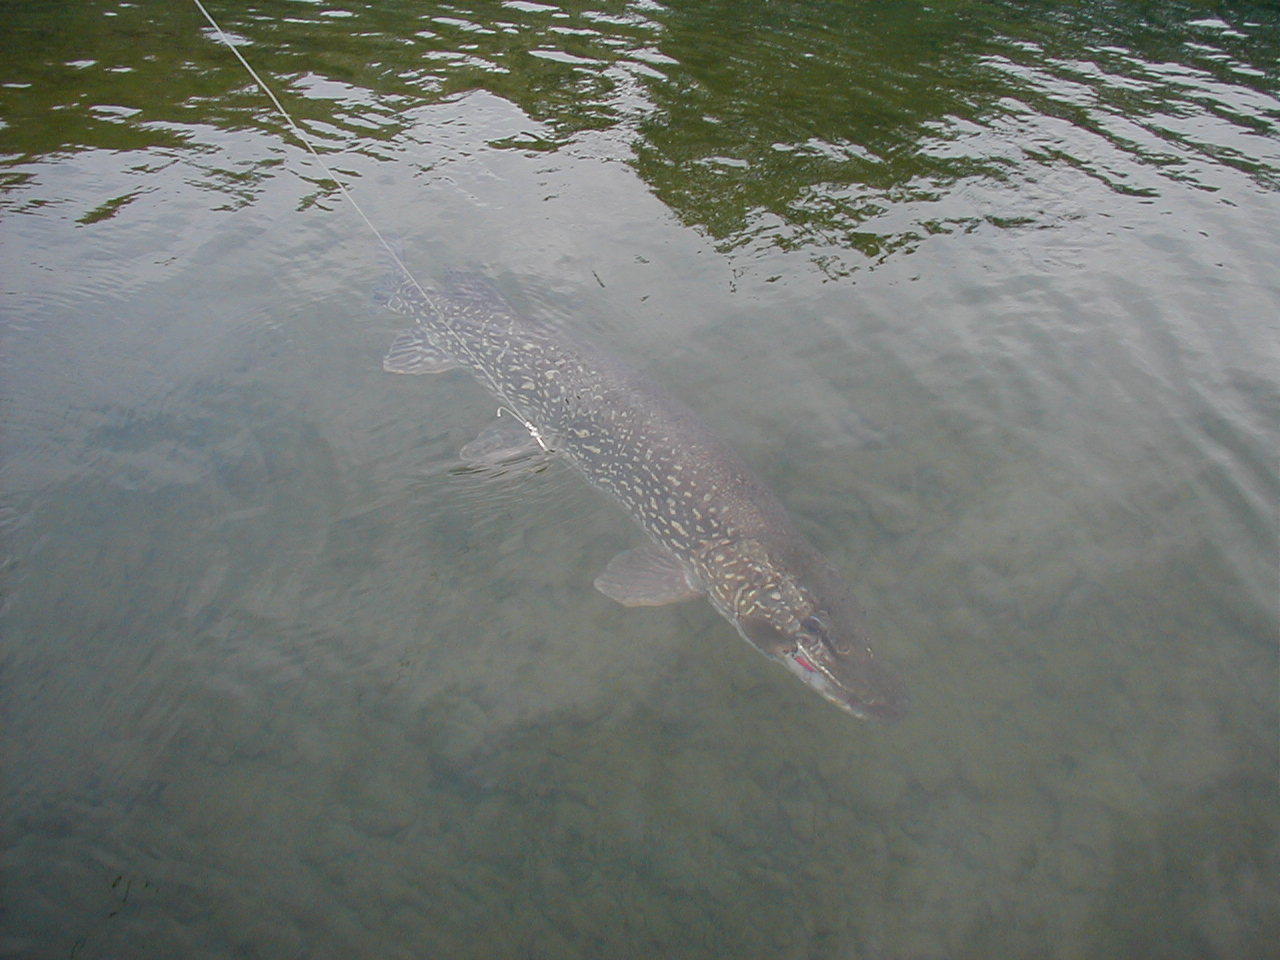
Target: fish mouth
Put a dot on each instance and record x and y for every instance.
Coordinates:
(879, 711)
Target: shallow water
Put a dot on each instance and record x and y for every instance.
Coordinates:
(985, 292)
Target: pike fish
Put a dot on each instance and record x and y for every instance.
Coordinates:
(713, 529)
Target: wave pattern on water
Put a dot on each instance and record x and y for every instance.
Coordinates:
(761, 124)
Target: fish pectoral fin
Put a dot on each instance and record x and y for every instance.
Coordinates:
(505, 440)
(411, 352)
(647, 576)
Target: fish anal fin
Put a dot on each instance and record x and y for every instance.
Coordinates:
(647, 576)
(412, 352)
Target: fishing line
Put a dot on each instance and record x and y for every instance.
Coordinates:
(306, 142)
(342, 189)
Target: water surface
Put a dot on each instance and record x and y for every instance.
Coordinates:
(985, 291)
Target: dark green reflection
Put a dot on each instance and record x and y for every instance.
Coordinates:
(852, 128)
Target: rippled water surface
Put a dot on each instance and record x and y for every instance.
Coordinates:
(987, 293)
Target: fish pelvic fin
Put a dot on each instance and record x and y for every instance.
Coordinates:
(648, 576)
(412, 352)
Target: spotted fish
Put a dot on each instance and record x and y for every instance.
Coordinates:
(713, 528)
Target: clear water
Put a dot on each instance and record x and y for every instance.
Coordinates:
(987, 292)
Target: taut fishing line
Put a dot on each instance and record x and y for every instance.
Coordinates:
(306, 142)
(342, 189)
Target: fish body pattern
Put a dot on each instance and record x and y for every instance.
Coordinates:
(714, 529)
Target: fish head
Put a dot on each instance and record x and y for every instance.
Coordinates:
(804, 616)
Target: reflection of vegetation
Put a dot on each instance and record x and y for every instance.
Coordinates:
(849, 127)
(796, 123)
(109, 208)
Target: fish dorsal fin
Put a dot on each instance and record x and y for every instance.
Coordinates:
(648, 576)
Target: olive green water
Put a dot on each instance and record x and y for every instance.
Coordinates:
(986, 291)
